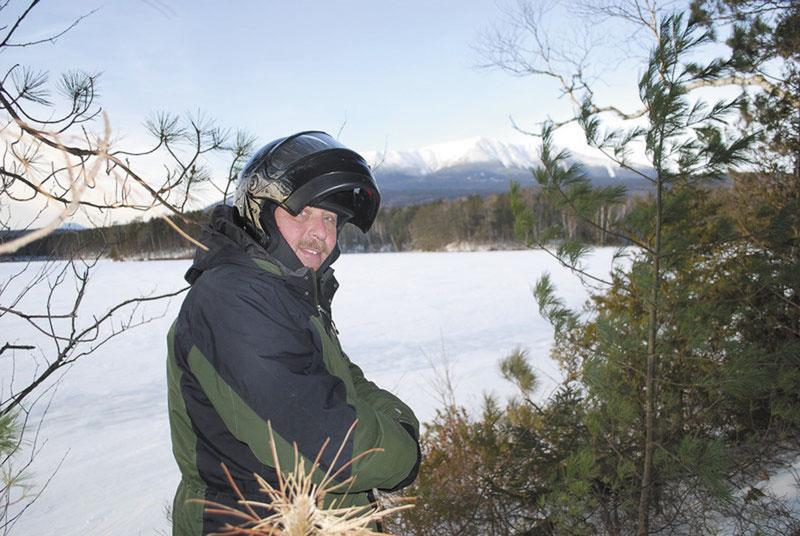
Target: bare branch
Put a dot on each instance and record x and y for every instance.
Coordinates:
(76, 189)
(69, 353)
(183, 234)
(754, 80)
(100, 152)
(9, 346)
(52, 39)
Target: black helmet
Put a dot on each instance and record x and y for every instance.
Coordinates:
(308, 168)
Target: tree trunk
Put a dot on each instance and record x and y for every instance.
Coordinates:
(650, 420)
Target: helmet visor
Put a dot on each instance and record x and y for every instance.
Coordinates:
(318, 170)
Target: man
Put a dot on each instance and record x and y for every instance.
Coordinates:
(255, 342)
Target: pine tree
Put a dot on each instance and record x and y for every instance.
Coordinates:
(667, 378)
(680, 400)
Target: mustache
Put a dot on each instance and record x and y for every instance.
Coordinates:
(318, 245)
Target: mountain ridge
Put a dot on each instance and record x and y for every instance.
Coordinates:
(482, 166)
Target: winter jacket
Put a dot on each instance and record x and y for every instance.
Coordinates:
(255, 344)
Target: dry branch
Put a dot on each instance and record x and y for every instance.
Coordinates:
(297, 504)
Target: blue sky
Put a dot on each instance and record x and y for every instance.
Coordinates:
(388, 73)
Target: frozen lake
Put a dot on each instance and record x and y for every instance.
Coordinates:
(401, 317)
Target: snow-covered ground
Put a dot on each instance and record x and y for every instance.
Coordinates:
(401, 316)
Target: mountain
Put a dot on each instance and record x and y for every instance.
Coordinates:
(9, 234)
(70, 226)
(478, 166)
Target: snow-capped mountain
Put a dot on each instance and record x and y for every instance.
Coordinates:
(429, 160)
(477, 165)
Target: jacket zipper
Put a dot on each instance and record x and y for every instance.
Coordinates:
(323, 313)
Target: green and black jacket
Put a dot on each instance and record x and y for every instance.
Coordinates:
(254, 344)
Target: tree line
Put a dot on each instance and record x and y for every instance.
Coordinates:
(468, 222)
(139, 239)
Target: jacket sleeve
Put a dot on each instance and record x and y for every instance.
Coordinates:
(387, 403)
(258, 362)
(383, 400)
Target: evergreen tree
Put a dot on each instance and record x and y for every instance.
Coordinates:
(680, 419)
(681, 386)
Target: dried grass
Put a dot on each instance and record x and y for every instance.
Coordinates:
(298, 503)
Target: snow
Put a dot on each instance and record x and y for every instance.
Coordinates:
(401, 316)
(433, 158)
(523, 154)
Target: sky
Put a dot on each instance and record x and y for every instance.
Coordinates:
(378, 75)
(401, 75)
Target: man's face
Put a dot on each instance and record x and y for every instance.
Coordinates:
(311, 234)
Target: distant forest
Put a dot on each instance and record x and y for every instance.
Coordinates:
(472, 222)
